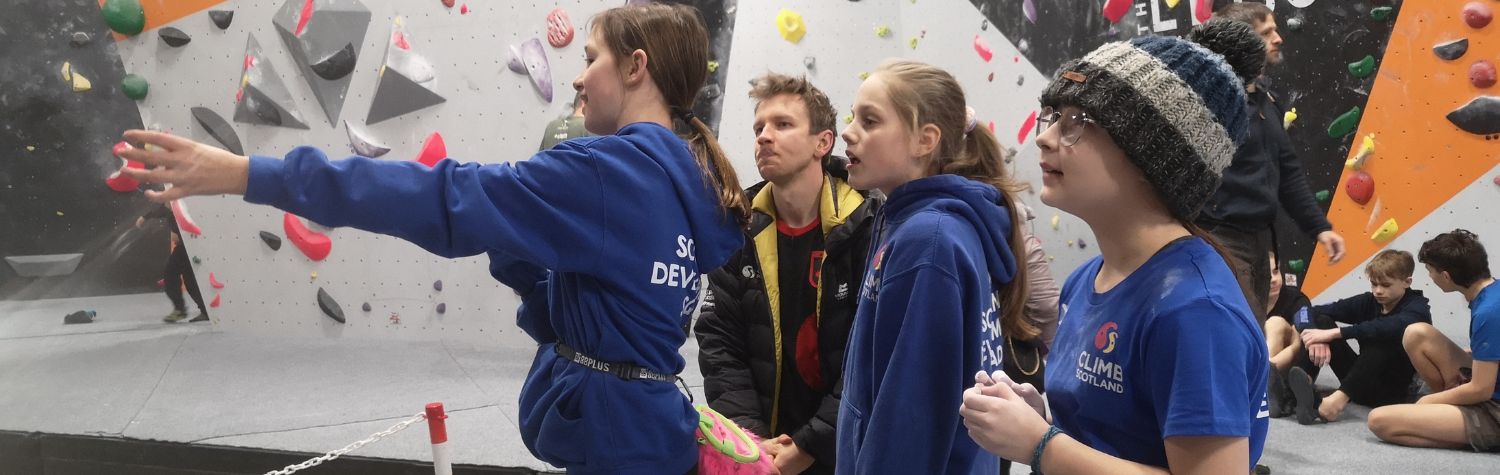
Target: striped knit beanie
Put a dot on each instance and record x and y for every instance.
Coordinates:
(1175, 108)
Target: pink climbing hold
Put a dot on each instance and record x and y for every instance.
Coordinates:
(1477, 15)
(464, 9)
(1482, 74)
(448, 3)
(314, 245)
(215, 303)
(433, 150)
(1204, 11)
(1114, 10)
(214, 281)
(992, 127)
(307, 11)
(399, 40)
(185, 220)
(559, 28)
(1497, 180)
(118, 180)
(1360, 187)
(1026, 127)
(121, 147)
(983, 48)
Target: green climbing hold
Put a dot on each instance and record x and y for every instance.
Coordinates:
(1381, 14)
(126, 17)
(1363, 68)
(1323, 196)
(1297, 265)
(1344, 124)
(134, 86)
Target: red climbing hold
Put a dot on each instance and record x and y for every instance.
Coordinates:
(1114, 10)
(1482, 74)
(315, 246)
(118, 181)
(1026, 127)
(1497, 179)
(448, 3)
(1204, 11)
(307, 11)
(464, 9)
(1477, 15)
(185, 220)
(214, 281)
(559, 28)
(982, 48)
(1360, 187)
(433, 150)
(121, 148)
(215, 303)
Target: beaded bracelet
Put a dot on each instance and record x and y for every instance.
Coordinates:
(1036, 455)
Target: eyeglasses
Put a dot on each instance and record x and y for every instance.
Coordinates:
(1073, 125)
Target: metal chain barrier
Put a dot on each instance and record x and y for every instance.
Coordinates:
(349, 448)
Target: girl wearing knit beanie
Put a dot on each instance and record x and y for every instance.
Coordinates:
(1158, 363)
(943, 286)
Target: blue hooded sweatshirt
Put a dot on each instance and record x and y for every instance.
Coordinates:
(605, 237)
(927, 322)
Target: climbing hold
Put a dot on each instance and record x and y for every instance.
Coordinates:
(314, 245)
(1480, 116)
(79, 83)
(79, 39)
(30, 148)
(559, 28)
(809, 62)
(984, 25)
(1082, 245)
(983, 48)
(1116, 9)
(1387, 231)
(1344, 123)
(1297, 265)
(433, 150)
(218, 128)
(312, 276)
(324, 39)
(1380, 13)
(214, 281)
(1497, 179)
(1024, 46)
(126, 17)
(337, 65)
(912, 43)
(1026, 128)
(883, 31)
(173, 37)
(1295, 24)
(437, 285)
(79, 317)
(1172, 4)
(1056, 221)
(221, 18)
(463, 9)
(197, 261)
(531, 55)
(1288, 118)
(1360, 187)
(1028, 8)
(184, 219)
(791, 26)
(1366, 148)
(848, 118)
(1362, 68)
(1482, 74)
(864, 75)
(992, 76)
(217, 300)
(1020, 80)
(448, 3)
(361, 145)
(442, 308)
(365, 307)
(406, 81)
(1323, 196)
(1204, 10)
(272, 241)
(330, 306)
(121, 182)
(1477, 15)
(395, 319)
(713, 66)
(1070, 243)
(262, 98)
(134, 86)
(1451, 50)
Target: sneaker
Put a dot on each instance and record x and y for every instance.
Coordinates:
(202, 317)
(1262, 470)
(1306, 394)
(175, 316)
(1279, 398)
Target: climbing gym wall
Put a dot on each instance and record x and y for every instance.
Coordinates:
(475, 81)
(1427, 161)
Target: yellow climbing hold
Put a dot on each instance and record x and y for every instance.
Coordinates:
(30, 148)
(849, 118)
(912, 43)
(790, 24)
(1172, 4)
(1070, 243)
(1056, 220)
(59, 213)
(713, 66)
(864, 75)
(1366, 149)
(80, 83)
(315, 275)
(1291, 116)
(1386, 231)
(883, 31)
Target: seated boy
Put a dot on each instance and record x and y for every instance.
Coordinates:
(1380, 374)
(1465, 412)
(1288, 314)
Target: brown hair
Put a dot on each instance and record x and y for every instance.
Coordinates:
(1391, 264)
(676, 43)
(820, 115)
(1245, 12)
(923, 94)
(1459, 253)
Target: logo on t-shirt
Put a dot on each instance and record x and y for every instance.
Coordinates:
(870, 289)
(1104, 339)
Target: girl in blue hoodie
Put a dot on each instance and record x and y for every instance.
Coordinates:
(1158, 365)
(606, 237)
(942, 287)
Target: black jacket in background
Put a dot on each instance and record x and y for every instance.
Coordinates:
(1362, 313)
(738, 349)
(1265, 175)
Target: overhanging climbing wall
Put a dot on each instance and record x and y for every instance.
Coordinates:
(270, 79)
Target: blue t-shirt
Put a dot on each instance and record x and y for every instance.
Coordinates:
(1173, 350)
(1484, 331)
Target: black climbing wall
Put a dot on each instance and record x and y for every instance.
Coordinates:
(1313, 77)
(53, 199)
(718, 17)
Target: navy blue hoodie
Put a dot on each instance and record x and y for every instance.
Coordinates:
(605, 237)
(927, 322)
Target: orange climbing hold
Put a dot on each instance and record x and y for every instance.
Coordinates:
(314, 245)
(433, 150)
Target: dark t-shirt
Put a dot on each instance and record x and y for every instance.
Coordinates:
(1293, 306)
(800, 256)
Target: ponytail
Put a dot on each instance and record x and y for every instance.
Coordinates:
(717, 171)
(981, 160)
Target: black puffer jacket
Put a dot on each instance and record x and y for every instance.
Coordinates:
(739, 352)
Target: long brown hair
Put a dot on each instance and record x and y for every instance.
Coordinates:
(676, 43)
(923, 94)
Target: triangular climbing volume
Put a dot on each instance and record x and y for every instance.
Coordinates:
(262, 98)
(407, 80)
(325, 39)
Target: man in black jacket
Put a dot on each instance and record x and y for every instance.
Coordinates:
(776, 318)
(1264, 176)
